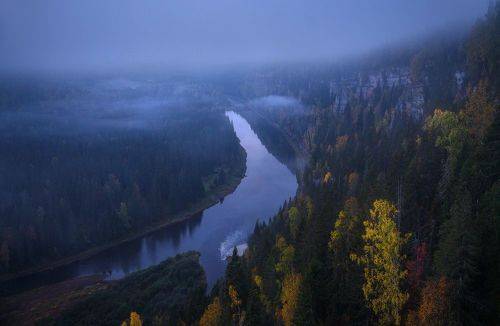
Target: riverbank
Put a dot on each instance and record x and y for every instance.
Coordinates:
(27, 308)
(212, 198)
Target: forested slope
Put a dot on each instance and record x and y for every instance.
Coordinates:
(172, 292)
(397, 221)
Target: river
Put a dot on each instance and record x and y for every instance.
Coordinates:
(214, 232)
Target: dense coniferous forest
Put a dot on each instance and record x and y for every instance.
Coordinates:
(397, 220)
(70, 182)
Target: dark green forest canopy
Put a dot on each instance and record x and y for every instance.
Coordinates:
(70, 181)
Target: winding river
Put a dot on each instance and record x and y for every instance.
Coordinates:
(214, 232)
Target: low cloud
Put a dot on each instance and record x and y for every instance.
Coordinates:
(276, 101)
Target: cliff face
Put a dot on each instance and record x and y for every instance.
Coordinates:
(382, 89)
(396, 91)
(409, 95)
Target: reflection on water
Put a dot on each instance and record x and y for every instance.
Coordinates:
(214, 232)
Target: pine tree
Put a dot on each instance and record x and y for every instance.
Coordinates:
(255, 314)
(457, 255)
(345, 239)
(294, 220)
(235, 274)
(304, 314)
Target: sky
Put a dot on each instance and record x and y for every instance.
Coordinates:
(68, 35)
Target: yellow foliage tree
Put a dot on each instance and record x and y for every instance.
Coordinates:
(327, 177)
(134, 320)
(382, 260)
(290, 297)
(213, 314)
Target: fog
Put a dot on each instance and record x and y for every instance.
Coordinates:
(275, 101)
(65, 107)
(69, 35)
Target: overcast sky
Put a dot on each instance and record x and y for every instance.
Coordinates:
(97, 34)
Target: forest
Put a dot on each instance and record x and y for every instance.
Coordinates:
(397, 220)
(70, 181)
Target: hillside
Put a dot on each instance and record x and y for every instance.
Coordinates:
(397, 220)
